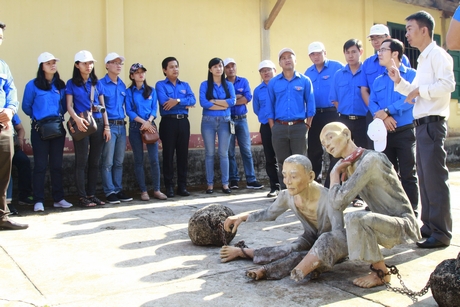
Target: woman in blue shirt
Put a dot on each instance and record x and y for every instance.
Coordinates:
(44, 97)
(217, 96)
(78, 95)
(141, 107)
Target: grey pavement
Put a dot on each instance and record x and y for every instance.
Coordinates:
(139, 254)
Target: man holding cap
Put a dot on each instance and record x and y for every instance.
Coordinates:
(238, 114)
(388, 106)
(260, 105)
(320, 73)
(291, 109)
(113, 152)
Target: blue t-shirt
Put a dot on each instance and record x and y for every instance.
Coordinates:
(166, 90)
(114, 97)
(81, 96)
(322, 82)
(137, 105)
(39, 104)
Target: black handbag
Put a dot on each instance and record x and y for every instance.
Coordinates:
(50, 128)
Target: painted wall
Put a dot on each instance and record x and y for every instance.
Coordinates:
(147, 31)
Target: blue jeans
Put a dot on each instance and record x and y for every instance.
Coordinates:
(135, 139)
(210, 126)
(244, 142)
(113, 154)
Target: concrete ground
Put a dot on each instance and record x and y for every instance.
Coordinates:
(139, 254)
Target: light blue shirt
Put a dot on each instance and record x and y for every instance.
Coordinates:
(345, 90)
(166, 90)
(81, 96)
(322, 82)
(291, 99)
(137, 105)
(114, 97)
(261, 103)
(218, 93)
(39, 104)
(384, 96)
(8, 92)
(241, 86)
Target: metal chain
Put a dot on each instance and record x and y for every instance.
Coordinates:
(392, 270)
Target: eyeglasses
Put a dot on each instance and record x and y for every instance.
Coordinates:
(117, 63)
(382, 50)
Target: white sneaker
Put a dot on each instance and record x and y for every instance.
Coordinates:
(38, 207)
(62, 204)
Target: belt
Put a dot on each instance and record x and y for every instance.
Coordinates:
(290, 123)
(118, 122)
(176, 116)
(428, 119)
(352, 117)
(239, 116)
(402, 128)
(322, 110)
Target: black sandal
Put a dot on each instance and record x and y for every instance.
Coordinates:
(96, 200)
(85, 202)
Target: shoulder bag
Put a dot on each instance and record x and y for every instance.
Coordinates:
(50, 127)
(147, 136)
(76, 134)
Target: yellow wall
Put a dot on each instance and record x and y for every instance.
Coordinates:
(147, 31)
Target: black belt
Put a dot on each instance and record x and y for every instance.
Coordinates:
(428, 119)
(290, 122)
(352, 117)
(118, 122)
(175, 116)
(322, 110)
(402, 128)
(238, 116)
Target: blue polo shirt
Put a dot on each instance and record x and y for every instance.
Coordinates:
(372, 70)
(166, 90)
(218, 93)
(261, 103)
(114, 97)
(322, 81)
(345, 90)
(384, 96)
(8, 92)
(15, 120)
(39, 104)
(137, 105)
(291, 99)
(81, 96)
(241, 86)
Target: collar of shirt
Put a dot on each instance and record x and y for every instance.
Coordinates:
(427, 51)
(347, 68)
(169, 81)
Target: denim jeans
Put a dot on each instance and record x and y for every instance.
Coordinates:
(210, 126)
(44, 151)
(244, 142)
(91, 157)
(113, 154)
(135, 139)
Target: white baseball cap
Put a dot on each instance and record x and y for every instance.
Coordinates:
(45, 57)
(379, 29)
(315, 47)
(228, 61)
(112, 56)
(84, 56)
(266, 63)
(285, 50)
(377, 132)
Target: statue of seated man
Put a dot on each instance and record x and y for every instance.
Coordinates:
(371, 175)
(324, 235)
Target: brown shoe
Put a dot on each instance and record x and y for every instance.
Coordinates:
(6, 223)
(145, 196)
(159, 195)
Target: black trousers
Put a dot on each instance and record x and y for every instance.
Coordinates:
(358, 130)
(271, 166)
(175, 135)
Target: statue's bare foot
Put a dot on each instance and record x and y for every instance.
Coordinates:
(297, 274)
(370, 281)
(229, 253)
(257, 274)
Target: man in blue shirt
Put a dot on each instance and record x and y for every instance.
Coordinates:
(239, 113)
(113, 151)
(8, 107)
(321, 74)
(371, 67)
(346, 95)
(389, 106)
(291, 110)
(175, 98)
(267, 70)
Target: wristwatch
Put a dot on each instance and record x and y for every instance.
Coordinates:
(178, 100)
(387, 111)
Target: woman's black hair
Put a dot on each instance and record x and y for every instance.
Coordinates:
(209, 91)
(147, 88)
(43, 84)
(77, 79)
